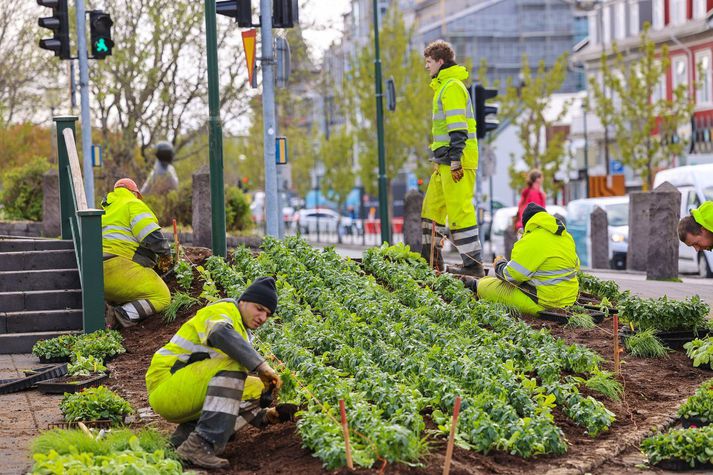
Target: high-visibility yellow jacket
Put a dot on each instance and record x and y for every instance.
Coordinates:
(704, 215)
(191, 341)
(452, 111)
(126, 223)
(544, 260)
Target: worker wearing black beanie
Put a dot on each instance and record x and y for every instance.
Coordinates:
(531, 210)
(263, 292)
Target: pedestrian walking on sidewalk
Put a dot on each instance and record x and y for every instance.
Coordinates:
(531, 194)
(450, 191)
(133, 245)
(200, 379)
(696, 230)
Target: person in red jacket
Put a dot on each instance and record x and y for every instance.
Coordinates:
(531, 194)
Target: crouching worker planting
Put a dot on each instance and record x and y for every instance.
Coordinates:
(200, 379)
(542, 273)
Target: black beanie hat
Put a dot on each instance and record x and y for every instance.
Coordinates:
(531, 210)
(262, 291)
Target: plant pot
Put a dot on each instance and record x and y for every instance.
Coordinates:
(559, 316)
(56, 359)
(693, 422)
(21, 384)
(70, 384)
(680, 465)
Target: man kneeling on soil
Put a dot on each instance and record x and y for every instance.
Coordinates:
(696, 230)
(200, 378)
(542, 272)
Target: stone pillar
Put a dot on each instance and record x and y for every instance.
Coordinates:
(202, 222)
(599, 235)
(50, 204)
(413, 201)
(638, 249)
(664, 213)
(509, 238)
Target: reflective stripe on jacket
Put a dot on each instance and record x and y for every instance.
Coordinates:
(192, 339)
(126, 223)
(703, 215)
(453, 110)
(545, 258)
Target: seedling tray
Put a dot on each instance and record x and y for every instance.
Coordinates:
(70, 384)
(27, 382)
(693, 422)
(100, 424)
(56, 359)
(681, 465)
(562, 318)
(672, 339)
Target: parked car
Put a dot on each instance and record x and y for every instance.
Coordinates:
(502, 218)
(695, 182)
(307, 220)
(578, 220)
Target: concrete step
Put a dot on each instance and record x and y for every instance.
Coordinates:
(23, 342)
(52, 279)
(40, 321)
(15, 245)
(37, 260)
(40, 300)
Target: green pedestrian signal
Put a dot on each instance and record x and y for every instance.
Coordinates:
(100, 32)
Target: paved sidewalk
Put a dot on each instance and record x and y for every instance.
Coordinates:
(22, 416)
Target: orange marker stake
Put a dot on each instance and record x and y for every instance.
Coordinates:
(617, 362)
(452, 437)
(175, 240)
(345, 429)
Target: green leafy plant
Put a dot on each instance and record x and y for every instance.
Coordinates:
(179, 301)
(94, 404)
(692, 446)
(64, 441)
(129, 461)
(601, 288)
(184, 274)
(101, 344)
(664, 314)
(210, 290)
(604, 383)
(700, 351)
(579, 319)
(22, 190)
(645, 344)
(85, 365)
(700, 405)
(237, 210)
(59, 347)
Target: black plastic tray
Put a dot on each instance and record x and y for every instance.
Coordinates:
(597, 316)
(681, 466)
(51, 386)
(27, 382)
(672, 339)
(693, 422)
(55, 360)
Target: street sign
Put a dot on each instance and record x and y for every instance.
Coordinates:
(282, 52)
(616, 167)
(281, 150)
(249, 42)
(97, 156)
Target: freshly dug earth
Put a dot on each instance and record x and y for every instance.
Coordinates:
(653, 391)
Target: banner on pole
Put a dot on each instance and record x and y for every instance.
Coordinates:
(249, 42)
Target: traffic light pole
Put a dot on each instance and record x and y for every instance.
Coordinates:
(84, 95)
(272, 214)
(215, 136)
(383, 196)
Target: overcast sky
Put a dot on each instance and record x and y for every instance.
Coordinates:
(327, 18)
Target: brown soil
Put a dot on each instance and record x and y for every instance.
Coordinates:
(653, 391)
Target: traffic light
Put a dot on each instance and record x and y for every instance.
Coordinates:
(100, 34)
(59, 24)
(241, 10)
(285, 13)
(479, 95)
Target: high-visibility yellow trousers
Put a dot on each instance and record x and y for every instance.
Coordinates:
(179, 398)
(126, 281)
(496, 290)
(446, 198)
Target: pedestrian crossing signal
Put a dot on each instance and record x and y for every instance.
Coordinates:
(100, 33)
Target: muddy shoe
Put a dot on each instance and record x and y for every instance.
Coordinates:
(199, 452)
(181, 433)
(110, 317)
(476, 271)
(122, 318)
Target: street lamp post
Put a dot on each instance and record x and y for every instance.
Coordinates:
(585, 108)
(383, 197)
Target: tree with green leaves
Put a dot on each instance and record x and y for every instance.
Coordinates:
(526, 104)
(645, 126)
(406, 130)
(337, 154)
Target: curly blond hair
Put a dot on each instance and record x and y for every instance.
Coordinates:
(440, 49)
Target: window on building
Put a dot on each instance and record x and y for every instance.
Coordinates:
(593, 28)
(634, 17)
(704, 75)
(620, 20)
(658, 14)
(659, 91)
(606, 25)
(699, 8)
(679, 72)
(677, 15)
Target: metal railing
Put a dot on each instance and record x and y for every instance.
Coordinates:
(81, 224)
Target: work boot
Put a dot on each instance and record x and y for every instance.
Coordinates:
(122, 318)
(475, 270)
(181, 433)
(199, 452)
(281, 413)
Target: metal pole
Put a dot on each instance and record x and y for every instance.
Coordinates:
(383, 196)
(84, 94)
(215, 136)
(268, 118)
(586, 152)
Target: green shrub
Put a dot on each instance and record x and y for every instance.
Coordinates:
(700, 405)
(176, 204)
(664, 314)
(94, 404)
(22, 190)
(237, 210)
(690, 445)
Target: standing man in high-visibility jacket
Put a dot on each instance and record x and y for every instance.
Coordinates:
(542, 271)
(200, 379)
(132, 244)
(455, 156)
(696, 230)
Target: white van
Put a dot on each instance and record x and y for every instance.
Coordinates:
(695, 182)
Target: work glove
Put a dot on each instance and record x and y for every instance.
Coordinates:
(164, 262)
(498, 259)
(268, 376)
(456, 170)
(281, 413)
